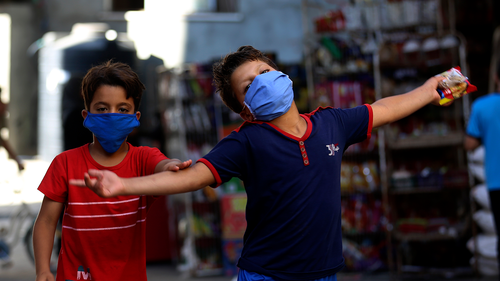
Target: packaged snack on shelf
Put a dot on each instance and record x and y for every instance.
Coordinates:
(454, 86)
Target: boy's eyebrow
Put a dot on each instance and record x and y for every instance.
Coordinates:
(259, 67)
(246, 78)
(101, 103)
(125, 104)
(238, 85)
(107, 104)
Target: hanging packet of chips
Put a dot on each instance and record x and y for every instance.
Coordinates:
(454, 86)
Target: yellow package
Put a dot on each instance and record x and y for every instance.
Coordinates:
(455, 86)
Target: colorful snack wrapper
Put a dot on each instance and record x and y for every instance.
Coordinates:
(454, 86)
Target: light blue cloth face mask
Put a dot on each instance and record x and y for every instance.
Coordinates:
(111, 129)
(270, 95)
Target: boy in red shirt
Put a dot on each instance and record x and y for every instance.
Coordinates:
(102, 239)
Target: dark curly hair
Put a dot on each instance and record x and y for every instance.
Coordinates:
(112, 74)
(223, 70)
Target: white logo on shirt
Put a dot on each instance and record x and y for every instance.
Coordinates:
(333, 148)
(82, 275)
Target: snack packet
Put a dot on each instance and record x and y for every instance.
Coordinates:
(454, 86)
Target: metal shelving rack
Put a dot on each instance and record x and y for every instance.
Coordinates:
(363, 199)
(190, 120)
(387, 146)
(405, 243)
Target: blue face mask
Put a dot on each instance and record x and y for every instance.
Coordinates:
(270, 95)
(111, 129)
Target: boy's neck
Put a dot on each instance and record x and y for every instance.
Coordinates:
(108, 159)
(291, 122)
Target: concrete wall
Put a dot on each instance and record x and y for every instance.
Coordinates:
(167, 30)
(61, 15)
(274, 26)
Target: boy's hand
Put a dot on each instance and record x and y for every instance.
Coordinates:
(45, 276)
(176, 165)
(432, 84)
(105, 183)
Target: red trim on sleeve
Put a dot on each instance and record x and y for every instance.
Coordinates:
(370, 121)
(218, 180)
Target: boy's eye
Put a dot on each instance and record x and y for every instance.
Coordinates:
(123, 110)
(101, 109)
(248, 86)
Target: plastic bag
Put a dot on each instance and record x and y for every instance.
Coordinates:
(484, 220)
(454, 86)
(481, 195)
(486, 245)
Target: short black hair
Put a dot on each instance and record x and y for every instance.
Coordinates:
(112, 74)
(223, 70)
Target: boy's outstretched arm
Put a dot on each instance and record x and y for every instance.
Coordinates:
(108, 184)
(172, 165)
(393, 108)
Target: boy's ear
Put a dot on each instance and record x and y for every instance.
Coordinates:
(84, 113)
(246, 115)
(138, 115)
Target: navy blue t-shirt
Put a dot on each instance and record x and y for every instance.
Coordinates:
(293, 190)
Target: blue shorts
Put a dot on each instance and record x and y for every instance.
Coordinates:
(244, 275)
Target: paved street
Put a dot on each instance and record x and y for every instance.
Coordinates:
(17, 188)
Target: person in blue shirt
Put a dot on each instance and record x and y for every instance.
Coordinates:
(483, 128)
(289, 163)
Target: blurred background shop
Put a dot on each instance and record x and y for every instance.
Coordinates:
(414, 202)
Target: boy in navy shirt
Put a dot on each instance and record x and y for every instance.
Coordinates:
(289, 163)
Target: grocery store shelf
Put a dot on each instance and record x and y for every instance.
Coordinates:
(424, 141)
(413, 190)
(423, 236)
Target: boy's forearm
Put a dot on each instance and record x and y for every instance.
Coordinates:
(393, 108)
(43, 233)
(168, 182)
(172, 165)
(43, 242)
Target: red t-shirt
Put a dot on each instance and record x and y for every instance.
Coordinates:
(102, 238)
